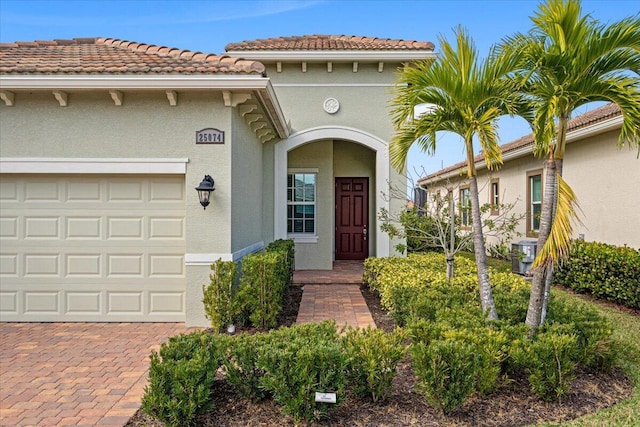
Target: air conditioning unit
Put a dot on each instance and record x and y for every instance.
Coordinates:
(522, 255)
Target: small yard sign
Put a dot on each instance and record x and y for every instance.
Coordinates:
(326, 397)
(209, 136)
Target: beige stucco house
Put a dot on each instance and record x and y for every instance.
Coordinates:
(604, 178)
(103, 141)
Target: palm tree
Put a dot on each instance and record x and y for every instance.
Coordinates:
(467, 96)
(567, 60)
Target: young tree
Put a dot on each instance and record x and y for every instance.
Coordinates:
(468, 95)
(435, 226)
(567, 60)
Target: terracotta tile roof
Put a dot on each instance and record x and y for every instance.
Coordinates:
(594, 116)
(326, 42)
(112, 56)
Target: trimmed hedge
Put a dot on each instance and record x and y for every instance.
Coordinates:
(605, 271)
(288, 365)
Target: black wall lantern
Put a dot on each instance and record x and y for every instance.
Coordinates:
(206, 187)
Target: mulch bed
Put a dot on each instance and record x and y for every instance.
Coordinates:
(510, 405)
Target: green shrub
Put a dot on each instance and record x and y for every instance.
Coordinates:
(595, 346)
(446, 372)
(373, 356)
(287, 248)
(262, 286)
(605, 271)
(300, 362)
(549, 363)
(241, 365)
(220, 305)
(180, 378)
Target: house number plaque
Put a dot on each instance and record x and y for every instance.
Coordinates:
(209, 136)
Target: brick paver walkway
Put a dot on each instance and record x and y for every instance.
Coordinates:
(57, 374)
(333, 294)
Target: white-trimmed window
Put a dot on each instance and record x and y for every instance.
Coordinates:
(465, 207)
(301, 203)
(534, 202)
(495, 197)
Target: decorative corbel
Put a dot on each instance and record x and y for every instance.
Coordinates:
(304, 67)
(172, 96)
(267, 137)
(233, 99)
(278, 66)
(255, 126)
(247, 108)
(329, 67)
(380, 67)
(61, 97)
(117, 97)
(263, 132)
(250, 118)
(355, 66)
(8, 97)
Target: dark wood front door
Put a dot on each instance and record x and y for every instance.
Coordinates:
(352, 214)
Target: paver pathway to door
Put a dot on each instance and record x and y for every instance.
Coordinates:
(333, 294)
(57, 374)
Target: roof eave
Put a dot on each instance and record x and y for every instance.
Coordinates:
(128, 81)
(574, 135)
(255, 83)
(332, 55)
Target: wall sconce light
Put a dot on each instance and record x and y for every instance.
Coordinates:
(206, 187)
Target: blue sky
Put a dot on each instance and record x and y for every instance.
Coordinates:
(207, 26)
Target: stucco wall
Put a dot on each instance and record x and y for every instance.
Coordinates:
(247, 177)
(363, 96)
(317, 155)
(606, 181)
(268, 176)
(603, 177)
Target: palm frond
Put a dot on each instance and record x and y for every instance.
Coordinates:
(557, 246)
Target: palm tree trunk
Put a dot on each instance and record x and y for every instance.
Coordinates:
(486, 296)
(536, 300)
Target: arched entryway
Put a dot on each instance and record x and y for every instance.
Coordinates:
(310, 145)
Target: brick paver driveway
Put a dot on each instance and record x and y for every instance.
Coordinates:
(56, 374)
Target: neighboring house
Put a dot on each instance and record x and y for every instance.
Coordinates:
(103, 142)
(604, 178)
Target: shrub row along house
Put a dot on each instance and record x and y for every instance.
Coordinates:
(103, 142)
(604, 178)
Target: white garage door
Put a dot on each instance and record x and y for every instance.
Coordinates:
(92, 248)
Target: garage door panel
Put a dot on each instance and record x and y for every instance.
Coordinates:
(42, 191)
(9, 302)
(125, 265)
(84, 303)
(85, 227)
(125, 191)
(9, 227)
(85, 191)
(166, 228)
(42, 265)
(39, 302)
(92, 248)
(166, 302)
(42, 227)
(8, 265)
(165, 190)
(124, 228)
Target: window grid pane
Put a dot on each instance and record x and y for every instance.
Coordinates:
(301, 209)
